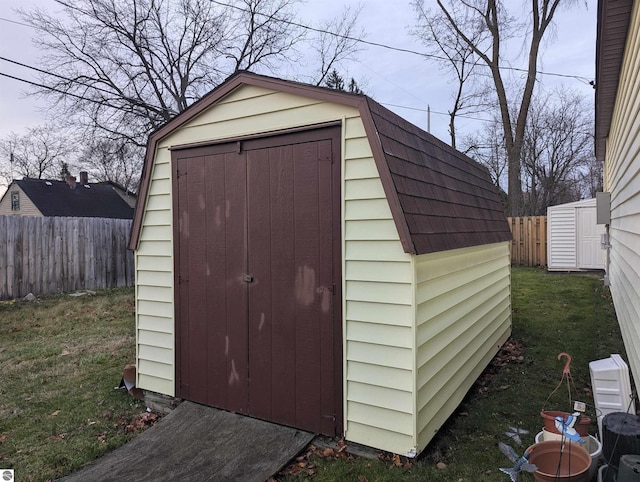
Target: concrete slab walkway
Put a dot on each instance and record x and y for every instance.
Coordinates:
(200, 443)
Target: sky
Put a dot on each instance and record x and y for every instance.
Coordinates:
(406, 83)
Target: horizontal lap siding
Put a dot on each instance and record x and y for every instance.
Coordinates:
(27, 208)
(561, 242)
(622, 179)
(154, 284)
(378, 288)
(463, 317)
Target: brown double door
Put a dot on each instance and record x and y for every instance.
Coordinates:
(257, 264)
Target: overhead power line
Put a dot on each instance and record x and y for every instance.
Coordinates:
(389, 47)
(137, 102)
(70, 94)
(366, 42)
(104, 102)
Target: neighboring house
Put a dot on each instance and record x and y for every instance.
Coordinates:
(308, 257)
(42, 197)
(618, 145)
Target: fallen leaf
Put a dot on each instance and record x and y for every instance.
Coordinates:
(362, 478)
(396, 460)
(328, 452)
(53, 414)
(3, 438)
(441, 465)
(58, 437)
(102, 438)
(65, 353)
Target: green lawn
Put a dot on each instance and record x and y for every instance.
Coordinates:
(60, 358)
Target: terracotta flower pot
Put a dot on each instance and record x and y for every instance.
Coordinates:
(549, 419)
(554, 465)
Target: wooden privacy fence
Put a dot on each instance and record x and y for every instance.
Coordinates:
(43, 255)
(529, 245)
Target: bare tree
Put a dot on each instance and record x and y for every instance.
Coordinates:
(39, 153)
(487, 147)
(557, 145)
(117, 70)
(453, 53)
(338, 41)
(484, 26)
(591, 177)
(125, 68)
(260, 33)
(107, 160)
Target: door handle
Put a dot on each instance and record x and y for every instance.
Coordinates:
(248, 278)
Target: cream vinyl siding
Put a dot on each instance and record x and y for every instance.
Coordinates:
(622, 180)
(154, 284)
(27, 208)
(463, 317)
(378, 300)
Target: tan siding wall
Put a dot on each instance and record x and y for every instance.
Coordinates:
(154, 284)
(463, 317)
(622, 179)
(27, 208)
(378, 309)
(378, 275)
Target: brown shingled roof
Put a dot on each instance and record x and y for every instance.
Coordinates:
(440, 199)
(447, 199)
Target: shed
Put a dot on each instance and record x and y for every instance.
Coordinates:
(308, 257)
(573, 237)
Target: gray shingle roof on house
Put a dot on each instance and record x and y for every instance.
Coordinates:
(57, 198)
(440, 199)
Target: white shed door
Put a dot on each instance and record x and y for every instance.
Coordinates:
(588, 242)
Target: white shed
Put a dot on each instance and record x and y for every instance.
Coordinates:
(573, 237)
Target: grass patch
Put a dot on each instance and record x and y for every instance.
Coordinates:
(60, 358)
(552, 313)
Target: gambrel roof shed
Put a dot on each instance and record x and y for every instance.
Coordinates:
(307, 256)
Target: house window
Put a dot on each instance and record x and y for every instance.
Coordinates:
(15, 201)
